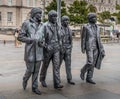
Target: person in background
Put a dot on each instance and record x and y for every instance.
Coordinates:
(16, 33)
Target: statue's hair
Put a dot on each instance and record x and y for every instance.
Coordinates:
(91, 15)
(34, 11)
(64, 18)
(52, 12)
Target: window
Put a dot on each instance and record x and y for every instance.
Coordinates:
(0, 2)
(34, 2)
(0, 17)
(28, 2)
(9, 2)
(9, 16)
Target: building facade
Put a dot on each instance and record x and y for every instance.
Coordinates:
(105, 5)
(101, 5)
(14, 12)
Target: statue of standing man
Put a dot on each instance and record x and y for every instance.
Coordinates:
(52, 50)
(91, 44)
(33, 48)
(66, 49)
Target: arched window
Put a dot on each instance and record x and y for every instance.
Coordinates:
(9, 16)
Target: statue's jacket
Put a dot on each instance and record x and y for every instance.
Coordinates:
(87, 41)
(48, 31)
(29, 31)
(63, 39)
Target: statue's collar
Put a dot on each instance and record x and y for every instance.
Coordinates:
(33, 21)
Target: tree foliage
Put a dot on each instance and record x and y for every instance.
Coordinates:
(104, 16)
(117, 7)
(53, 6)
(92, 8)
(78, 12)
(118, 13)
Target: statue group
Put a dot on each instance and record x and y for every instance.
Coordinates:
(43, 43)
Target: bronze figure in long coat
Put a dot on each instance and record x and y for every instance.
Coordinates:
(33, 48)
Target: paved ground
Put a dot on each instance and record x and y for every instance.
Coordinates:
(12, 68)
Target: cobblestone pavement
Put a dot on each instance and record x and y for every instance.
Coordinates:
(12, 68)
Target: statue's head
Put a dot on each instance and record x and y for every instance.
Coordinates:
(92, 18)
(52, 16)
(36, 13)
(65, 20)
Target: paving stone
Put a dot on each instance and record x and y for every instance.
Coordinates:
(103, 94)
(3, 97)
(53, 96)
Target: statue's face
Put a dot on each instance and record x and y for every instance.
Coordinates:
(93, 20)
(53, 18)
(38, 16)
(65, 22)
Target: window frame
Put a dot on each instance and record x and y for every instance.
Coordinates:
(0, 16)
(28, 3)
(9, 16)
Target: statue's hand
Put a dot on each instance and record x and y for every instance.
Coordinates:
(83, 51)
(49, 48)
(103, 53)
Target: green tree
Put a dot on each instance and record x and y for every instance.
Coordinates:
(117, 15)
(92, 8)
(117, 7)
(104, 16)
(53, 6)
(78, 12)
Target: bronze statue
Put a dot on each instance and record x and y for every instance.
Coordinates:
(51, 50)
(66, 49)
(91, 44)
(33, 48)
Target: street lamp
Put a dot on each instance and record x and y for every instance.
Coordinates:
(59, 14)
(59, 11)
